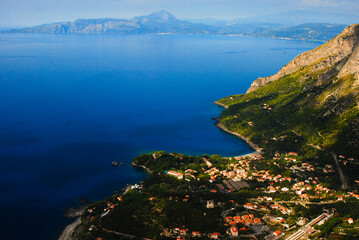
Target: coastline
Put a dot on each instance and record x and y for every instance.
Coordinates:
(141, 166)
(251, 144)
(254, 146)
(69, 230)
(220, 104)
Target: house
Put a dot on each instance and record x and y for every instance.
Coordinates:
(209, 164)
(293, 154)
(214, 235)
(233, 223)
(210, 204)
(249, 221)
(175, 174)
(183, 232)
(350, 221)
(195, 233)
(234, 231)
(257, 221)
(237, 218)
(249, 206)
(274, 206)
(277, 233)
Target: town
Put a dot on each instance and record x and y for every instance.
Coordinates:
(214, 197)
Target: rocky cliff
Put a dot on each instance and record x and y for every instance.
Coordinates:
(339, 56)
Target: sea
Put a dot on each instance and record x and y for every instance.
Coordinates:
(72, 104)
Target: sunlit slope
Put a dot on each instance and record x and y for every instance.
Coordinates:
(314, 107)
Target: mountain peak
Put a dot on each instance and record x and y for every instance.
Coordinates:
(159, 16)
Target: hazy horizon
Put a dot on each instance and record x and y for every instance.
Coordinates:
(22, 13)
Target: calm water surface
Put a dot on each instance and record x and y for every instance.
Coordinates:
(72, 104)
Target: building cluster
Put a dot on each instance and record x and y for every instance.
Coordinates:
(303, 188)
(182, 233)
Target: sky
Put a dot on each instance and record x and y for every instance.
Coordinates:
(21, 13)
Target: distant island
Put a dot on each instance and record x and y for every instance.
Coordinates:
(302, 183)
(163, 22)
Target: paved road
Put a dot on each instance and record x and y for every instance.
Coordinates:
(127, 236)
(303, 230)
(341, 175)
(304, 203)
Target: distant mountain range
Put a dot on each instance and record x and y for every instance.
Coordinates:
(163, 22)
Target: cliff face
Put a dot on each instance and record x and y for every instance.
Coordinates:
(339, 56)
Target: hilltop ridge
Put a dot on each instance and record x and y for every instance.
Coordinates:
(164, 22)
(340, 54)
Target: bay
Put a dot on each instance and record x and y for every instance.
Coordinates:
(72, 104)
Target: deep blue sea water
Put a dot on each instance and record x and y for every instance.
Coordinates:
(72, 104)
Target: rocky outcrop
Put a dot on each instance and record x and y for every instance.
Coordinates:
(339, 56)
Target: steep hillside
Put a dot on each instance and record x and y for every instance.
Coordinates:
(309, 106)
(334, 55)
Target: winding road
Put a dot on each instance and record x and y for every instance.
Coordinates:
(340, 171)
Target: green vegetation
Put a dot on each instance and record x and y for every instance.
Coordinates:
(327, 226)
(301, 112)
(164, 202)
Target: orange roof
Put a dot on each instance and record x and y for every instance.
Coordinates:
(237, 218)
